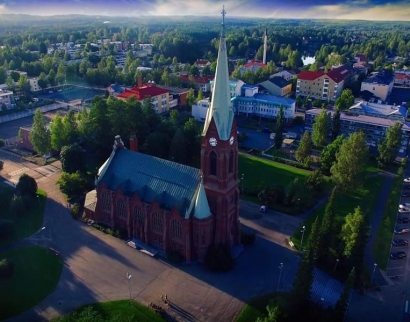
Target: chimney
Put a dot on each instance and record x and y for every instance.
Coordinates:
(139, 82)
(265, 45)
(133, 143)
(118, 144)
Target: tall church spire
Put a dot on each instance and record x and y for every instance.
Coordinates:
(221, 107)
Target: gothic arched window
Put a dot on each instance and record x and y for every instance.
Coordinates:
(156, 221)
(121, 208)
(176, 230)
(106, 201)
(231, 162)
(138, 215)
(212, 163)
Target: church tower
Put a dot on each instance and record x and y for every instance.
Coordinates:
(219, 154)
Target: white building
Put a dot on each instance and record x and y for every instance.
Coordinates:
(199, 109)
(235, 86)
(284, 74)
(6, 98)
(380, 84)
(34, 87)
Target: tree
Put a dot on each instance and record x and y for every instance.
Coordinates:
(314, 238)
(42, 80)
(336, 124)
(320, 129)
(10, 83)
(51, 78)
(200, 95)
(72, 184)
(39, 135)
(348, 170)
(57, 133)
(304, 149)
(3, 75)
(73, 158)
(343, 302)
(70, 128)
(61, 73)
(26, 186)
(178, 147)
(327, 227)
(345, 100)
(328, 155)
(314, 182)
(389, 147)
(280, 124)
(190, 98)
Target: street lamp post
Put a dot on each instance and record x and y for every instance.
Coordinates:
(374, 270)
(303, 234)
(337, 262)
(129, 283)
(280, 276)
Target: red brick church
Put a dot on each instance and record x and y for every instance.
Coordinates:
(169, 205)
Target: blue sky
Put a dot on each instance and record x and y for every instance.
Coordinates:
(330, 9)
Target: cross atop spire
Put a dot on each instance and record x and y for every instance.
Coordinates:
(223, 21)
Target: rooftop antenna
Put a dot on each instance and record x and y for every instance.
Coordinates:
(223, 22)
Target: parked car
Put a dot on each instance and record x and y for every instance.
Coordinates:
(263, 209)
(404, 210)
(405, 205)
(403, 220)
(401, 231)
(400, 242)
(406, 180)
(398, 255)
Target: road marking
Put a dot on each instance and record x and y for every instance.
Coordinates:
(406, 307)
(16, 172)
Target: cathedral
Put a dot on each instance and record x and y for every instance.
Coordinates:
(171, 206)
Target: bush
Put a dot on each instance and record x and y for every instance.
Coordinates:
(6, 268)
(247, 238)
(175, 257)
(218, 258)
(26, 186)
(75, 210)
(6, 230)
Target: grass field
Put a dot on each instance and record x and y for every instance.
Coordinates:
(260, 172)
(124, 310)
(256, 307)
(36, 274)
(345, 203)
(384, 235)
(27, 224)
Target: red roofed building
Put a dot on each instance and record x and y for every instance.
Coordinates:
(360, 58)
(161, 99)
(200, 82)
(401, 79)
(320, 85)
(252, 66)
(201, 63)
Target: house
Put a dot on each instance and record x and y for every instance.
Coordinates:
(114, 90)
(6, 98)
(361, 58)
(402, 79)
(161, 99)
(34, 87)
(284, 74)
(320, 85)
(235, 86)
(165, 206)
(252, 66)
(200, 82)
(179, 94)
(147, 48)
(24, 133)
(277, 86)
(202, 63)
(200, 109)
(380, 84)
(372, 119)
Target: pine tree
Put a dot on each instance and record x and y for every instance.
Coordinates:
(343, 302)
(314, 238)
(39, 135)
(389, 147)
(280, 124)
(326, 228)
(320, 129)
(304, 150)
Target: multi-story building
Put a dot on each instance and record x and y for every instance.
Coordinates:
(320, 85)
(202, 83)
(277, 86)
(235, 86)
(161, 99)
(284, 74)
(199, 109)
(6, 98)
(402, 77)
(179, 94)
(380, 84)
(34, 87)
(373, 119)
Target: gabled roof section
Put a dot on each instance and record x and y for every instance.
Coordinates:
(153, 179)
(306, 75)
(339, 73)
(141, 93)
(279, 81)
(221, 107)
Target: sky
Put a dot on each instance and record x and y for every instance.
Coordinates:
(299, 9)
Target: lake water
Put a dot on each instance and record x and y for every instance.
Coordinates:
(307, 60)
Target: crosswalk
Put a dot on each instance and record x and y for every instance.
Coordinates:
(17, 172)
(45, 171)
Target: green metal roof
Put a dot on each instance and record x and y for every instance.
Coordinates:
(201, 210)
(153, 179)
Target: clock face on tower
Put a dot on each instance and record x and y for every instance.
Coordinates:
(213, 142)
(231, 140)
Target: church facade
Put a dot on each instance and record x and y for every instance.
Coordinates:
(172, 206)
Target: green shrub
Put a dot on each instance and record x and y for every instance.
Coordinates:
(26, 186)
(247, 238)
(175, 256)
(75, 210)
(6, 268)
(6, 230)
(218, 258)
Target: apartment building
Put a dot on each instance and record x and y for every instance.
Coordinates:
(277, 86)
(6, 98)
(380, 84)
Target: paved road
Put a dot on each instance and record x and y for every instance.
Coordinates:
(95, 265)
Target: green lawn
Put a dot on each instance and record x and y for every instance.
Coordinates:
(36, 274)
(124, 310)
(260, 172)
(277, 153)
(345, 203)
(384, 235)
(256, 307)
(28, 224)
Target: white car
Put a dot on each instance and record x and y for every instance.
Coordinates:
(406, 180)
(404, 205)
(404, 210)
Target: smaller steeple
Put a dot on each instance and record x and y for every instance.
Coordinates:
(201, 210)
